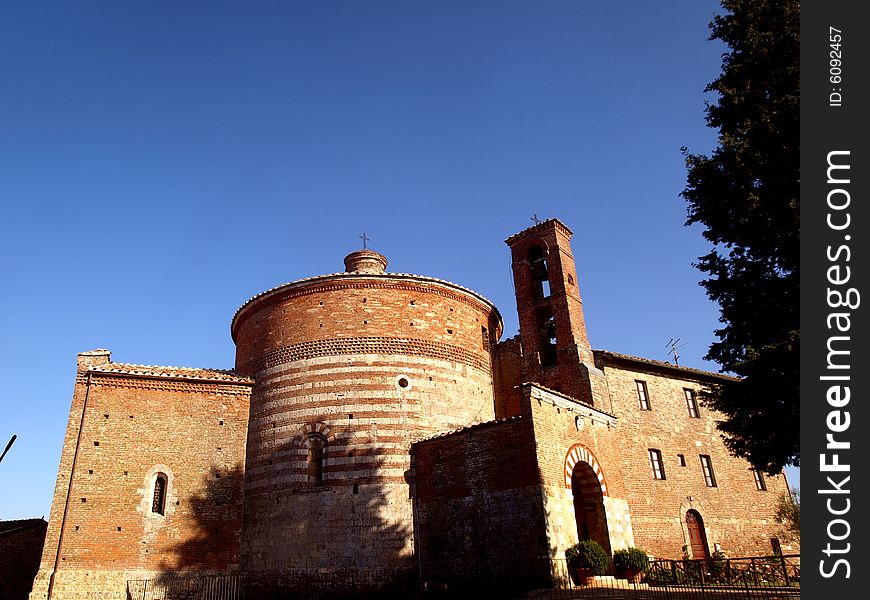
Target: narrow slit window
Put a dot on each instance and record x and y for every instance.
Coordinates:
(549, 342)
(314, 462)
(158, 501)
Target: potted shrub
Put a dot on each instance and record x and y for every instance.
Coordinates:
(631, 563)
(586, 559)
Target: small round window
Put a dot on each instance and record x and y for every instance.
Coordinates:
(403, 382)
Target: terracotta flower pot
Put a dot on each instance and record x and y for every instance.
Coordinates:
(583, 576)
(633, 576)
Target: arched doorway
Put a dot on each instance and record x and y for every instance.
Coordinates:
(584, 477)
(697, 536)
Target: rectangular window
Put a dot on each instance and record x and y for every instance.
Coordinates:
(642, 395)
(760, 484)
(655, 464)
(681, 460)
(691, 403)
(707, 467)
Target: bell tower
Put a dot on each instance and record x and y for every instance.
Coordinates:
(555, 348)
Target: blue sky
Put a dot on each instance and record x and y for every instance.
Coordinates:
(161, 162)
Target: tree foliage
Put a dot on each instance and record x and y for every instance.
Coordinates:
(745, 194)
(788, 511)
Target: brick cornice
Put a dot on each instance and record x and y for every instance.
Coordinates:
(540, 227)
(163, 383)
(339, 281)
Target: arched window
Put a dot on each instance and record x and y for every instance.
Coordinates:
(549, 343)
(540, 273)
(314, 463)
(158, 501)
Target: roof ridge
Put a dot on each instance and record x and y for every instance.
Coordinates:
(170, 371)
(469, 427)
(665, 364)
(385, 275)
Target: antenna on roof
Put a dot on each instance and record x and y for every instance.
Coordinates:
(674, 345)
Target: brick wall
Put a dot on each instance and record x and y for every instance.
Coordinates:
(507, 377)
(127, 425)
(563, 444)
(736, 514)
(548, 243)
(319, 316)
(20, 550)
(480, 513)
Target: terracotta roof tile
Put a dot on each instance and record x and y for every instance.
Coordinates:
(661, 364)
(469, 427)
(170, 372)
(353, 275)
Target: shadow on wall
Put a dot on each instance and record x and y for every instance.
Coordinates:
(343, 526)
(21, 544)
(319, 540)
(206, 554)
(214, 520)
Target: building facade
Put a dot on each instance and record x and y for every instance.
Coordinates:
(375, 430)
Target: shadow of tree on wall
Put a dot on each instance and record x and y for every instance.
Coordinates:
(207, 556)
(350, 534)
(313, 541)
(214, 516)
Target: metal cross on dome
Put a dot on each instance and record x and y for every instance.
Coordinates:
(535, 219)
(364, 238)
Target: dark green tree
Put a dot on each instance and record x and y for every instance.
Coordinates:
(788, 511)
(746, 196)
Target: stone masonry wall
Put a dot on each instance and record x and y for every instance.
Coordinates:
(479, 507)
(736, 514)
(562, 442)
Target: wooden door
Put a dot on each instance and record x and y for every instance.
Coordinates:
(697, 536)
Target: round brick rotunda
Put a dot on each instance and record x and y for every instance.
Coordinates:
(350, 369)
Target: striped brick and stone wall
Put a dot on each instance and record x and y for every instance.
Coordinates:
(359, 364)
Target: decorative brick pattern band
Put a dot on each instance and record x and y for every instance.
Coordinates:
(367, 345)
(579, 453)
(167, 385)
